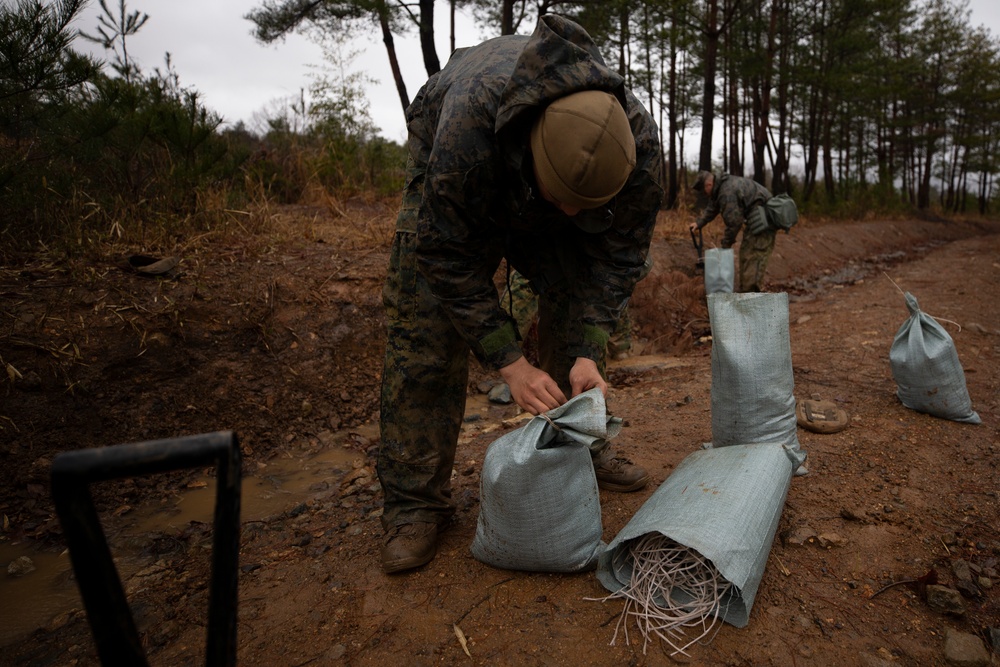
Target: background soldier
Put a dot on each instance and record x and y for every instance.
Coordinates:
(741, 202)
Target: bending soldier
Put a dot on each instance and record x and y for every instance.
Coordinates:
(529, 149)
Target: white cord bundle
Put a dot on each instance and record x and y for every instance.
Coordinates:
(672, 587)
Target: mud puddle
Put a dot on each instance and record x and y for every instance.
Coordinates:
(35, 599)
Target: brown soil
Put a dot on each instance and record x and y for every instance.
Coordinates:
(280, 340)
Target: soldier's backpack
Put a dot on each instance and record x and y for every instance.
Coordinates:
(781, 212)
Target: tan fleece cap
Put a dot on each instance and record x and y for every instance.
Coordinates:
(583, 148)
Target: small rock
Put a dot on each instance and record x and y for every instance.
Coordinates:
(994, 635)
(963, 579)
(20, 566)
(961, 569)
(355, 475)
(59, 621)
(985, 583)
(852, 514)
(961, 648)
(801, 535)
(869, 660)
(500, 394)
(831, 540)
(31, 381)
(945, 600)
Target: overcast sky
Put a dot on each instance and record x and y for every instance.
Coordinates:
(213, 51)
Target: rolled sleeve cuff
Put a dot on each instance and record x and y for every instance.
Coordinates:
(499, 348)
(593, 346)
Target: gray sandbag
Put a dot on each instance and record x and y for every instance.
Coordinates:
(723, 503)
(927, 370)
(539, 506)
(753, 387)
(720, 270)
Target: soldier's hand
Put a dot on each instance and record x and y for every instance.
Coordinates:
(532, 388)
(693, 226)
(585, 376)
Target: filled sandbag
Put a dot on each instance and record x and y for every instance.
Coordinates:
(720, 270)
(753, 387)
(925, 364)
(539, 507)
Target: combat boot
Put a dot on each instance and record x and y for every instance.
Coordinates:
(617, 473)
(409, 545)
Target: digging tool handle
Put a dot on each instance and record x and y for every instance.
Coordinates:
(699, 244)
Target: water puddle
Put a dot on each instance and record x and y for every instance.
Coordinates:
(33, 600)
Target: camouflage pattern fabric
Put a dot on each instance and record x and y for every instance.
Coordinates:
(734, 197)
(520, 302)
(468, 203)
(755, 251)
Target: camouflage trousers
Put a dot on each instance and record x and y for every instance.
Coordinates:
(521, 303)
(425, 377)
(755, 251)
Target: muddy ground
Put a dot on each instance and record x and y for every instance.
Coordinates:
(278, 337)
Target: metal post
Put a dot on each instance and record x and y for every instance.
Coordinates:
(110, 619)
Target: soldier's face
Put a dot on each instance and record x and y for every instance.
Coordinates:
(547, 196)
(709, 182)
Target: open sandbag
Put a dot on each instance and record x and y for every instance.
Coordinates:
(539, 501)
(721, 505)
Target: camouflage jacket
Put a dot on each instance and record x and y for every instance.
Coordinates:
(468, 132)
(733, 196)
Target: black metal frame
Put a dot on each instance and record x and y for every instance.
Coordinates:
(699, 245)
(108, 612)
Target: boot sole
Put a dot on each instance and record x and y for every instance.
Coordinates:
(624, 488)
(405, 564)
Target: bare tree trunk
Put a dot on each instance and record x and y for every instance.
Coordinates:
(427, 48)
(624, 40)
(711, 33)
(924, 187)
(672, 184)
(507, 17)
(780, 180)
(735, 165)
(762, 96)
(812, 142)
(828, 182)
(390, 49)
